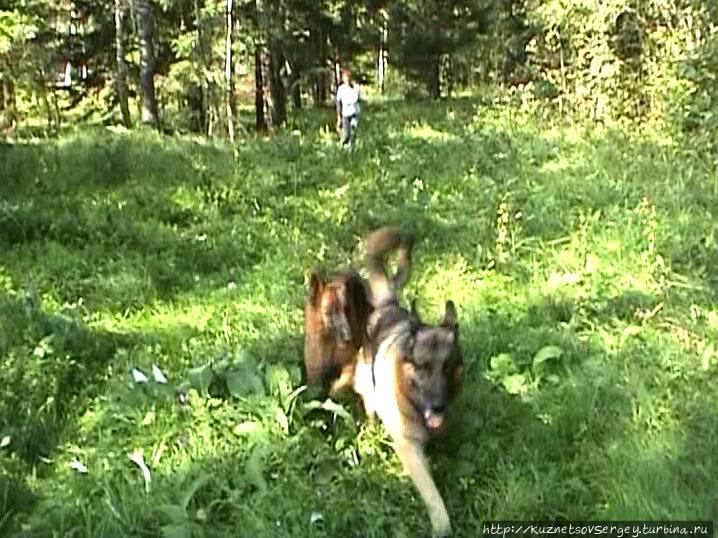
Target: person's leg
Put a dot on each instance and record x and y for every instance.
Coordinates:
(346, 130)
(353, 123)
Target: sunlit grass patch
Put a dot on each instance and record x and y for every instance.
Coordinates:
(427, 132)
(579, 259)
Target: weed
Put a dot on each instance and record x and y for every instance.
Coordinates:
(580, 259)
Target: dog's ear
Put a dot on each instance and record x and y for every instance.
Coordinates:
(450, 319)
(316, 286)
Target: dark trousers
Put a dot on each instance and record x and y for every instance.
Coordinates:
(349, 127)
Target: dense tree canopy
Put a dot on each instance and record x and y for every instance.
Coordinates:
(599, 59)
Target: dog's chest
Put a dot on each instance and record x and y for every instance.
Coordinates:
(377, 385)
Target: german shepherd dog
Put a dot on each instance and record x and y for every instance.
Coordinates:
(409, 371)
(335, 317)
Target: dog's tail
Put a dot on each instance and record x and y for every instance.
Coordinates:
(380, 244)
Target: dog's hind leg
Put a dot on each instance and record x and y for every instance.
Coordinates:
(411, 454)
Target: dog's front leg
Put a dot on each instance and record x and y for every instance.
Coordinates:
(343, 383)
(411, 454)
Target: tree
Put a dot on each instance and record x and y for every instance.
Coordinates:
(121, 70)
(381, 53)
(424, 35)
(202, 67)
(229, 71)
(146, 33)
(270, 91)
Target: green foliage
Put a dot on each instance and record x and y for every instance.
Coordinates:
(424, 34)
(696, 96)
(615, 59)
(580, 258)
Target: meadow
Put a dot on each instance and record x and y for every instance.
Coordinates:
(581, 258)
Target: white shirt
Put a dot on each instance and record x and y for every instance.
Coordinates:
(349, 97)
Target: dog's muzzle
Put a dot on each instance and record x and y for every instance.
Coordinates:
(434, 417)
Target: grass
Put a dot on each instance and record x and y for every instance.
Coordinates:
(581, 259)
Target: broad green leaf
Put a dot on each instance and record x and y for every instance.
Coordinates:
(243, 382)
(242, 377)
(177, 531)
(712, 318)
(628, 332)
(254, 469)
(201, 377)
(174, 512)
(553, 379)
(707, 357)
(278, 381)
(281, 418)
(547, 353)
(248, 427)
(503, 364)
(194, 487)
(515, 384)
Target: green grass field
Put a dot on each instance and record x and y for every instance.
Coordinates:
(582, 261)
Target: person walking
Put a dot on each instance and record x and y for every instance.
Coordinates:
(348, 108)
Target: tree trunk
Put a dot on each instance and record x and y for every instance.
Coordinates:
(146, 32)
(562, 96)
(381, 57)
(201, 68)
(447, 74)
(337, 73)
(294, 80)
(121, 75)
(48, 110)
(9, 109)
(260, 119)
(435, 82)
(265, 64)
(296, 93)
(276, 86)
(229, 72)
(262, 72)
(56, 108)
(319, 92)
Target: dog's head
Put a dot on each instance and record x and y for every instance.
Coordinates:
(432, 369)
(331, 299)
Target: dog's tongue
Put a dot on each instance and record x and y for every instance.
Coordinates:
(433, 421)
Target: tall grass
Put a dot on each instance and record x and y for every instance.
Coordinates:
(581, 260)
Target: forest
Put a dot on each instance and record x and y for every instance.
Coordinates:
(200, 67)
(170, 174)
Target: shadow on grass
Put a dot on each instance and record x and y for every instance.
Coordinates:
(611, 435)
(568, 450)
(45, 387)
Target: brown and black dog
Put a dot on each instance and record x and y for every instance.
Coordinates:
(406, 371)
(335, 320)
(409, 371)
(335, 316)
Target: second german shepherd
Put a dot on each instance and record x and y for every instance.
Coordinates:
(335, 323)
(335, 317)
(409, 371)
